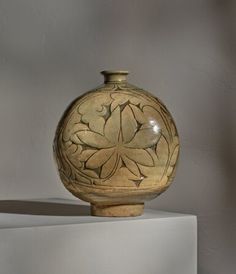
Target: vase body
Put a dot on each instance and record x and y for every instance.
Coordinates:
(116, 147)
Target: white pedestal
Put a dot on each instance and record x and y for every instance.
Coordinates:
(155, 243)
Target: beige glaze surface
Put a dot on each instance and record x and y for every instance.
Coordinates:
(116, 144)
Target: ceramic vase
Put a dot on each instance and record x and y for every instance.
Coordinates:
(116, 147)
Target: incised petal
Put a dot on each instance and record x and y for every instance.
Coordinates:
(99, 158)
(144, 138)
(93, 139)
(85, 154)
(90, 173)
(128, 124)
(109, 167)
(131, 165)
(139, 115)
(97, 124)
(140, 156)
(112, 126)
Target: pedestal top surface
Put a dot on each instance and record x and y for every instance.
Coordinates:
(51, 212)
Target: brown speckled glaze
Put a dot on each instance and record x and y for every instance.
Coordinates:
(116, 146)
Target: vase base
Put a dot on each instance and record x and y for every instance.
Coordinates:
(129, 210)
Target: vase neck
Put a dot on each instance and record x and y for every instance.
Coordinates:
(114, 76)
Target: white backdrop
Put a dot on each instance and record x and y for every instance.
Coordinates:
(184, 51)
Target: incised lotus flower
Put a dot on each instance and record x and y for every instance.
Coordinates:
(124, 142)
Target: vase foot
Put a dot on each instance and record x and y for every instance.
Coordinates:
(117, 210)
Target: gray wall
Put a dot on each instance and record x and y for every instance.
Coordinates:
(183, 51)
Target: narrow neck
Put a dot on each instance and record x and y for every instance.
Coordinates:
(114, 76)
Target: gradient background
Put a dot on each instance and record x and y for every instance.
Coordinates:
(183, 51)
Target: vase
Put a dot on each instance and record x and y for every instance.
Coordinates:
(116, 147)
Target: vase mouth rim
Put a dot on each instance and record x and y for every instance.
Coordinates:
(113, 72)
(111, 76)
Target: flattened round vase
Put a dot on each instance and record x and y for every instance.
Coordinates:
(116, 146)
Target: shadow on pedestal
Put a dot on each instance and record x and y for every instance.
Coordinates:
(43, 208)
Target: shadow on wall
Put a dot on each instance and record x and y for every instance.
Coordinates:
(43, 208)
(228, 10)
